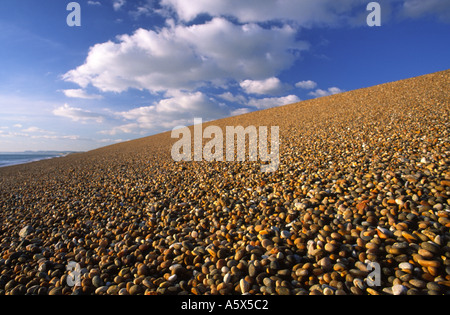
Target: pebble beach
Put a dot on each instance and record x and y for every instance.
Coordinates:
(363, 177)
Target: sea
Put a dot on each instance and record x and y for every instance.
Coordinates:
(8, 159)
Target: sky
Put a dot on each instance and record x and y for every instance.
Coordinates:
(137, 68)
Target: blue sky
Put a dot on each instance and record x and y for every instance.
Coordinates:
(136, 68)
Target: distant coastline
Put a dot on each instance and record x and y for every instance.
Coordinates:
(17, 158)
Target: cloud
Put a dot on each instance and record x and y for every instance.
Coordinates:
(303, 13)
(145, 8)
(127, 128)
(77, 114)
(273, 101)
(179, 108)
(80, 93)
(330, 91)
(188, 57)
(118, 4)
(307, 85)
(34, 129)
(39, 133)
(420, 8)
(240, 111)
(96, 3)
(55, 137)
(228, 96)
(268, 86)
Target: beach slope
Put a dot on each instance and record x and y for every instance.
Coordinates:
(363, 178)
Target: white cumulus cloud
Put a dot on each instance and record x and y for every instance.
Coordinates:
(187, 57)
(80, 93)
(77, 114)
(271, 85)
(304, 13)
(330, 91)
(307, 85)
(118, 4)
(273, 101)
(178, 108)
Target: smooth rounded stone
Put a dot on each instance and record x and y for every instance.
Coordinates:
(142, 270)
(285, 234)
(33, 290)
(406, 266)
(113, 290)
(405, 277)
(227, 278)
(420, 284)
(241, 253)
(429, 263)
(10, 285)
(284, 273)
(330, 247)
(356, 291)
(325, 263)
(18, 290)
(97, 281)
(123, 291)
(414, 291)
(42, 291)
(425, 253)
(359, 283)
(348, 214)
(328, 291)
(433, 286)
(372, 291)
(55, 291)
(281, 290)
(119, 279)
(25, 231)
(135, 290)
(268, 282)
(384, 232)
(177, 269)
(439, 240)
(402, 246)
(265, 243)
(358, 273)
(431, 247)
(252, 270)
(101, 290)
(339, 267)
(244, 286)
(274, 265)
(399, 289)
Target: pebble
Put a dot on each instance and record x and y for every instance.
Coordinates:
(25, 231)
(97, 281)
(244, 286)
(366, 181)
(406, 266)
(399, 289)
